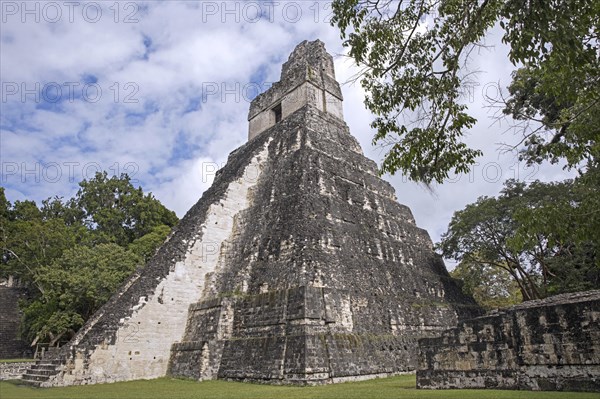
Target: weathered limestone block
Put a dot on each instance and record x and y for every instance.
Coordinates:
(551, 344)
(14, 371)
(11, 346)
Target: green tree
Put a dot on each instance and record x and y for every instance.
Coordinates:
(414, 56)
(118, 212)
(4, 207)
(29, 240)
(75, 253)
(56, 208)
(147, 245)
(566, 216)
(75, 286)
(491, 287)
(545, 236)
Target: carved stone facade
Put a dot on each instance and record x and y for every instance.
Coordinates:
(551, 344)
(297, 265)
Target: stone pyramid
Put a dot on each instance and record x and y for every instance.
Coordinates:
(296, 266)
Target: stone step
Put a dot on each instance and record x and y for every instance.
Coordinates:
(41, 372)
(47, 372)
(43, 366)
(49, 361)
(35, 377)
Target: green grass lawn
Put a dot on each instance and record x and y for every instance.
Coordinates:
(401, 387)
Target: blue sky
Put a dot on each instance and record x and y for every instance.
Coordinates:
(161, 90)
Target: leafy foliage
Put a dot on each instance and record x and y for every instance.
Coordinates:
(545, 235)
(491, 287)
(117, 212)
(146, 246)
(76, 285)
(414, 56)
(29, 240)
(74, 254)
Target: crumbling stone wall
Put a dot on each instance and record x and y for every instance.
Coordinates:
(550, 344)
(11, 346)
(14, 371)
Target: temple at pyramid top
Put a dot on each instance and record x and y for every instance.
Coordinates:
(307, 77)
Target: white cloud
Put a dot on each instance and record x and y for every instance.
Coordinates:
(151, 119)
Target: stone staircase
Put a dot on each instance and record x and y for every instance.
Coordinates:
(41, 372)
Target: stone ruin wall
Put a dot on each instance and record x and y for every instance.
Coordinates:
(14, 371)
(11, 346)
(551, 344)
